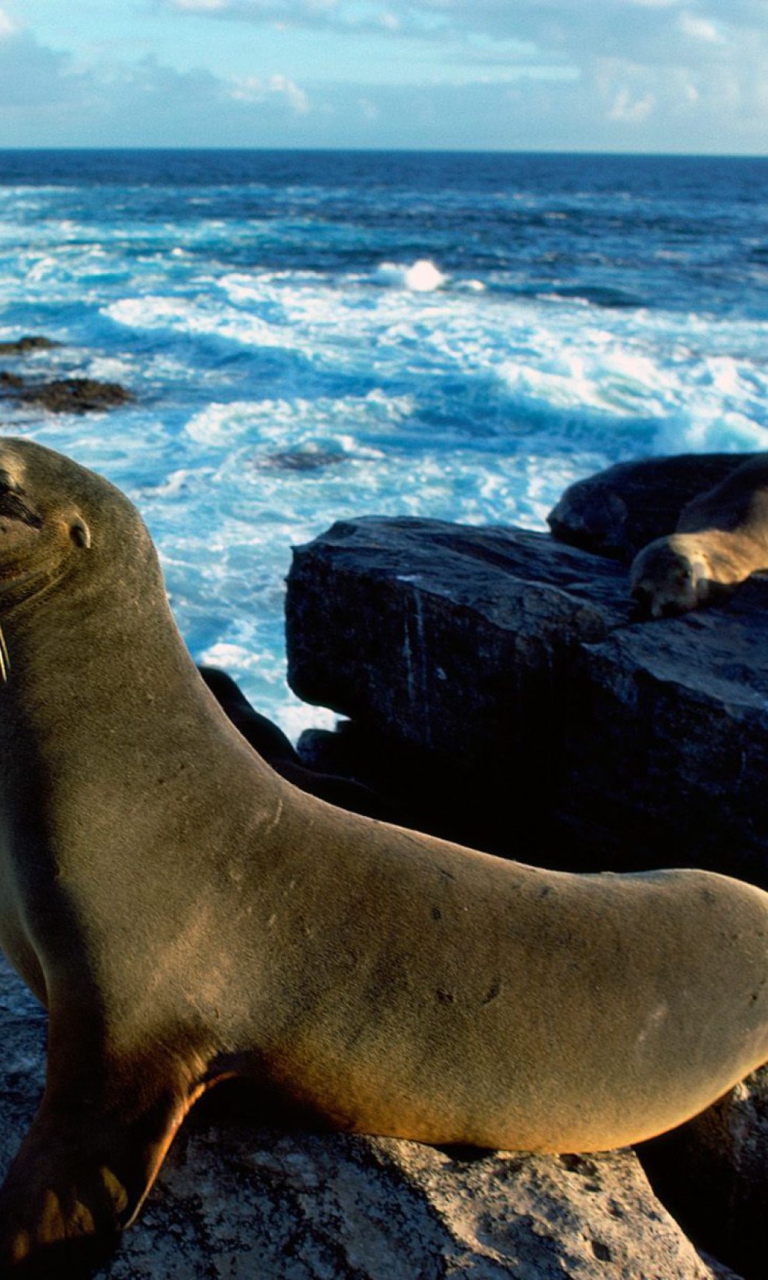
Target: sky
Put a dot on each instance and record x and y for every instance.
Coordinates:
(674, 76)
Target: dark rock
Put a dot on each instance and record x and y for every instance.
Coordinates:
(273, 746)
(301, 460)
(57, 395)
(511, 666)
(618, 511)
(712, 1173)
(75, 395)
(30, 342)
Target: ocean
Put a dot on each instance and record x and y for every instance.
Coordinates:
(313, 336)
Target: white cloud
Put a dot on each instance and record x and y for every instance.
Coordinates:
(629, 110)
(253, 89)
(7, 26)
(701, 29)
(293, 94)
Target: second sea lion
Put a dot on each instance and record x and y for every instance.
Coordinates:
(720, 540)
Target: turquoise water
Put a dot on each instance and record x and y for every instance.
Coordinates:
(314, 336)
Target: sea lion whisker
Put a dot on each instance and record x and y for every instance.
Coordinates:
(5, 661)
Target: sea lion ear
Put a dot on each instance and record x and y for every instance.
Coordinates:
(80, 533)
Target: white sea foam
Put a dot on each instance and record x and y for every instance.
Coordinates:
(290, 422)
(420, 277)
(199, 316)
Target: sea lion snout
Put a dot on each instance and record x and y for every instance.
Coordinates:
(14, 506)
(665, 581)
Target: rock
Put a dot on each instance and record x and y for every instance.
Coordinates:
(304, 460)
(57, 395)
(509, 669)
(64, 395)
(618, 511)
(239, 1201)
(75, 395)
(30, 342)
(713, 1174)
(437, 639)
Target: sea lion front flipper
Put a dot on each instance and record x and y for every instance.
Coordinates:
(84, 1170)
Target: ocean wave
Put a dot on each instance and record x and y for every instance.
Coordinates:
(421, 276)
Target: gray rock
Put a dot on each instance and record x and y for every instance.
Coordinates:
(713, 1174)
(235, 1201)
(513, 667)
(440, 634)
(623, 508)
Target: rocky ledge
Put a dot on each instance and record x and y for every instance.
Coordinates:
(502, 691)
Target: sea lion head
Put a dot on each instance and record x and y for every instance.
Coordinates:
(54, 516)
(669, 577)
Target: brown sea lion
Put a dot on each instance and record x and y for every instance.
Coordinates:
(721, 538)
(187, 915)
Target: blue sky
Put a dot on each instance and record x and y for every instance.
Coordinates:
(616, 75)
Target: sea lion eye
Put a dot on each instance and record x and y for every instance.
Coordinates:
(80, 533)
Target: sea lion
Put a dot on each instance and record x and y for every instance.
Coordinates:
(721, 538)
(187, 916)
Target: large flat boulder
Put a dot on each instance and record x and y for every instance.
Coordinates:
(507, 683)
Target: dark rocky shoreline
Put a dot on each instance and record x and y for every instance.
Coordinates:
(515, 666)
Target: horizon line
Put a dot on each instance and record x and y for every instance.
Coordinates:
(382, 150)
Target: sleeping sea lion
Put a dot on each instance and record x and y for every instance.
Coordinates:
(187, 916)
(721, 538)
